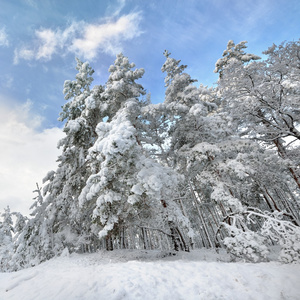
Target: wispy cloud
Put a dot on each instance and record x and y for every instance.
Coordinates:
(48, 42)
(3, 38)
(244, 18)
(81, 38)
(114, 9)
(6, 81)
(23, 53)
(31, 3)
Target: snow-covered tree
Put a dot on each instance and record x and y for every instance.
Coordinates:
(286, 234)
(236, 52)
(120, 86)
(129, 189)
(33, 240)
(77, 90)
(208, 167)
(245, 244)
(252, 245)
(82, 113)
(6, 244)
(262, 98)
(198, 130)
(20, 258)
(263, 108)
(224, 171)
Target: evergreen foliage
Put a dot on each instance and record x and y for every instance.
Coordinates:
(207, 167)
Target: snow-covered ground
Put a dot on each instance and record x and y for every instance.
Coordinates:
(149, 275)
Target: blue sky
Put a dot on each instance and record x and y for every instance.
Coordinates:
(39, 41)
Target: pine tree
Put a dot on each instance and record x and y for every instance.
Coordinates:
(20, 257)
(208, 167)
(234, 52)
(254, 95)
(262, 98)
(127, 192)
(82, 112)
(6, 244)
(33, 240)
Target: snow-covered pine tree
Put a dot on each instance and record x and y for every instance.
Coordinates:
(129, 189)
(236, 52)
(253, 94)
(33, 239)
(210, 154)
(20, 257)
(137, 175)
(191, 117)
(82, 113)
(262, 97)
(6, 243)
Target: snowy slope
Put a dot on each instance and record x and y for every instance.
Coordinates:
(146, 275)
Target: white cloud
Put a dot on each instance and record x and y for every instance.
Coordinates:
(85, 39)
(23, 53)
(107, 37)
(26, 155)
(3, 38)
(49, 42)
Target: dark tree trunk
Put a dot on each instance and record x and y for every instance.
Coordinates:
(109, 243)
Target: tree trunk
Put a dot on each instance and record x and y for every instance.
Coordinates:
(283, 154)
(109, 243)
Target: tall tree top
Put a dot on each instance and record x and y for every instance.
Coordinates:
(234, 51)
(77, 90)
(121, 85)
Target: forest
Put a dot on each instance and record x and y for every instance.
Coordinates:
(209, 167)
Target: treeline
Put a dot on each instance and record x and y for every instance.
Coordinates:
(208, 167)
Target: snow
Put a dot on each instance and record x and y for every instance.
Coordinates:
(133, 274)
